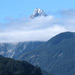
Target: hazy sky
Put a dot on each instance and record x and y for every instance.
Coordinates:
(15, 26)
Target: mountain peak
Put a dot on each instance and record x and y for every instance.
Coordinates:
(60, 37)
(38, 12)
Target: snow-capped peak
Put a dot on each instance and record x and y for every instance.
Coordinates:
(38, 12)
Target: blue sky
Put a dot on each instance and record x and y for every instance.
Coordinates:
(18, 8)
(15, 26)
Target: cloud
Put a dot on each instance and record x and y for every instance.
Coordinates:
(29, 24)
(33, 35)
(38, 29)
(70, 13)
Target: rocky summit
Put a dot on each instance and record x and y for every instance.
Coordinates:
(38, 12)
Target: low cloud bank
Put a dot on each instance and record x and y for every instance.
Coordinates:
(38, 29)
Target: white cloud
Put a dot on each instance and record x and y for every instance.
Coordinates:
(38, 29)
(33, 35)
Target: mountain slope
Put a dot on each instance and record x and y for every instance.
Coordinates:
(23, 47)
(13, 50)
(56, 56)
(11, 67)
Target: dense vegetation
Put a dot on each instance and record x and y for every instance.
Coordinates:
(14, 67)
(56, 56)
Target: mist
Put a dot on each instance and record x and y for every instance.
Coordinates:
(37, 29)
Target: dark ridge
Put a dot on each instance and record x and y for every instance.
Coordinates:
(14, 67)
(60, 37)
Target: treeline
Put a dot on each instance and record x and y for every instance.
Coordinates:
(14, 67)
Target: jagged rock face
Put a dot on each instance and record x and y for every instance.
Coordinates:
(38, 12)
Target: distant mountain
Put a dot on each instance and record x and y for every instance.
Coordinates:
(24, 47)
(14, 67)
(38, 12)
(7, 49)
(13, 50)
(1, 56)
(56, 56)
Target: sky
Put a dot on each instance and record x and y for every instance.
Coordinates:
(19, 8)
(16, 27)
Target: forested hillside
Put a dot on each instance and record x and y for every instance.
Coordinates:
(14, 67)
